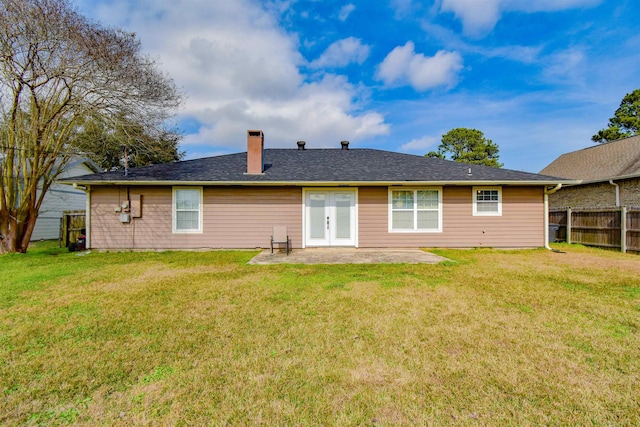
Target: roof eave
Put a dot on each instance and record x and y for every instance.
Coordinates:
(606, 179)
(324, 183)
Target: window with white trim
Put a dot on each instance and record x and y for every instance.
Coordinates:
(187, 209)
(487, 201)
(415, 210)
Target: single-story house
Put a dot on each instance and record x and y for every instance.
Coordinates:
(326, 197)
(608, 176)
(60, 198)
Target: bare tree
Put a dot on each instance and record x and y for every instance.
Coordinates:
(59, 70)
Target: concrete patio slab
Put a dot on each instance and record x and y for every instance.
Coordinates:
(348, 256)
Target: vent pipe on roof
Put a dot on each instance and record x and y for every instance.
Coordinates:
(301, 145)
(345, 145)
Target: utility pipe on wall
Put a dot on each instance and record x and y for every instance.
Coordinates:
(546, 213)
(87, 224)
(617, 192)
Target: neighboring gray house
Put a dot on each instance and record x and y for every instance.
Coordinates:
(61, 198)
(609, 174)
(360, 198)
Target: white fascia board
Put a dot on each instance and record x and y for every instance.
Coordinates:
(325, 184)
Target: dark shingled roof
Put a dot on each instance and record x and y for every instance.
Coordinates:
(602, 162)
(317, 165)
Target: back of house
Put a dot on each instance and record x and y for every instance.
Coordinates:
(325, 197)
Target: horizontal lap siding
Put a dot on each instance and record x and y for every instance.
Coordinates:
(105, 230)
(243, 217)
(521, 223)
(232, 218)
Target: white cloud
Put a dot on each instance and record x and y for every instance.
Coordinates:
(451, 40)
(480, 16)
(404, 8)
(566, 66)
(345, 11)
(320, 113)
(422, 145)
(240, 70)
(404, 66)
(395, 65)
(342, 53)
(546, 5)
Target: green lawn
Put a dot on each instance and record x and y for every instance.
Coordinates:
(525, 337)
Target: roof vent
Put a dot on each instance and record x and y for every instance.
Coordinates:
(301, 145)
(345, 145)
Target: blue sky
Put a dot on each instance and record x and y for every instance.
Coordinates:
(538, 77)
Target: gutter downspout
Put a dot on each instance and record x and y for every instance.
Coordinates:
(87, 215)
(617, 192)
(87, 224)
(546, 214)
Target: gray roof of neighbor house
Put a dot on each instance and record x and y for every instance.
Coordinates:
(291, 166)
(602, 162)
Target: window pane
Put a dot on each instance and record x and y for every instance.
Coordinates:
(402, 220)
(343, 216)
(316, 216)
(428, 199)
(187, 209)
(487, 207)
(187, 220)
(402, 199)
(417, 210)
(487, 195)
(187, 199)
(427, 220)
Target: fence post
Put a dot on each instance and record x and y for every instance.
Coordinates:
(65, 230)
(623, 229)
(568, 226)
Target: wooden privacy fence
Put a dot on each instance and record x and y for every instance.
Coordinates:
(617, 228)
(71, 225)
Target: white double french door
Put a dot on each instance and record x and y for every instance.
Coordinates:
(330, 218)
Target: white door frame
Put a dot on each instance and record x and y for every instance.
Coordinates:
(354, 211)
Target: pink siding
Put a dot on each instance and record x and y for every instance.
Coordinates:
(521, 223)
(243, 217)
(240, 217)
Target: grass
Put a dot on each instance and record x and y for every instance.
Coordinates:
(490, 338)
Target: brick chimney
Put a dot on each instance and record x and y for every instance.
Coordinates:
(255, 152)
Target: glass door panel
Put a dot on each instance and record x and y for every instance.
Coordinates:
(316, 217)
(330, 218)
(343, 202)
